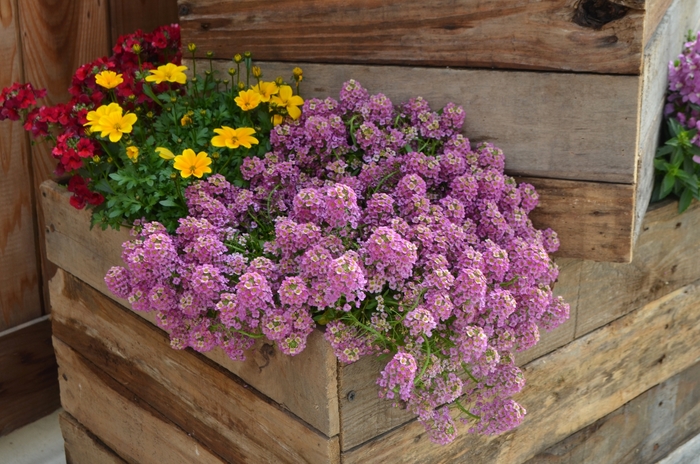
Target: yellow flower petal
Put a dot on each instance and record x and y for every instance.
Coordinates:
(108, 79)
(165, 153)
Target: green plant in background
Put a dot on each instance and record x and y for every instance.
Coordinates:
(677, 166)
(677, 162)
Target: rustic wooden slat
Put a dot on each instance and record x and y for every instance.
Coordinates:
(28, 378)
(200, 397)
(126, 16)
(570, 388)
(553, 125)
(364, 415)
(655, 10)
(57, 37)
(593, 220)
(82, 446)
(511, 34)
(643, 430)
(664, 46)
(20, 299)
(89, 255)
(126, 424)
(666, 258)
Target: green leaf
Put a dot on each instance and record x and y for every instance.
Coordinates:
(660, 165)
(167, 202)
(149, 91)
(667, 185)
(685, 200)
(677, 157)
(665, 150)
(675, 127)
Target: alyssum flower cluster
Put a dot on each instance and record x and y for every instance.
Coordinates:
(379, 222)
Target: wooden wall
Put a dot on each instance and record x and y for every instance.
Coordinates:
(43, 42)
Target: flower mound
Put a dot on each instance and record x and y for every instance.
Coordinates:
(683, 102)
(380, 222)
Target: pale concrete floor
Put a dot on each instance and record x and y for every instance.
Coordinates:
(37, 443)
(41, 443)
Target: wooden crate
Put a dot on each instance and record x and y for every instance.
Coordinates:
(130, 396)
(583, 129)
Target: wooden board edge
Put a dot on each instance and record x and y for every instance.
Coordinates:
(643, 430)
(123, 422)
(28, 375)
(82, 446)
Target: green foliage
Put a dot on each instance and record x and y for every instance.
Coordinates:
(176, 117)
(676, 170)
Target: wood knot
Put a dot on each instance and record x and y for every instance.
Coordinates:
(184, 9)
(597, 13)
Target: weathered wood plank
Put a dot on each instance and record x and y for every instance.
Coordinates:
(125, 423)
(28, 378)
(89, 255)
(526, 34)
(665, 45)
(666, 259)
(20, 298)
(82, 446)
(553, 125)
(643, 430)
(593, 220)
(220, 411)
(126, 16)
(364, 415)
(570, 388)
(57, 37)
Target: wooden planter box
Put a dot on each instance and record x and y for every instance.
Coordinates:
(129, 397)
(583, 128)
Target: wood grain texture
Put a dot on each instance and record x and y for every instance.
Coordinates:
(125, 423)
(553, 125)
(594, 221)
(644, 430)
(525, 34)
(570, 388)
(203, 399)
(89, 255)
(82, 446)
(57, 36)
(664, 46)
(666, 259)
(364, 415)
(28, 378)
(126, 16)
(20, 298)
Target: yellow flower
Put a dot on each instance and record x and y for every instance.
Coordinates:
(132, 153)
(234, 138)
(168, 72)
(191, 47)
(164, 153)
(93, 117)
(247, 100)
(108, 79)
(298, 74)
(186, 120)
(265, 90)
(190, 164)
(115, 124)
(285, 99)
